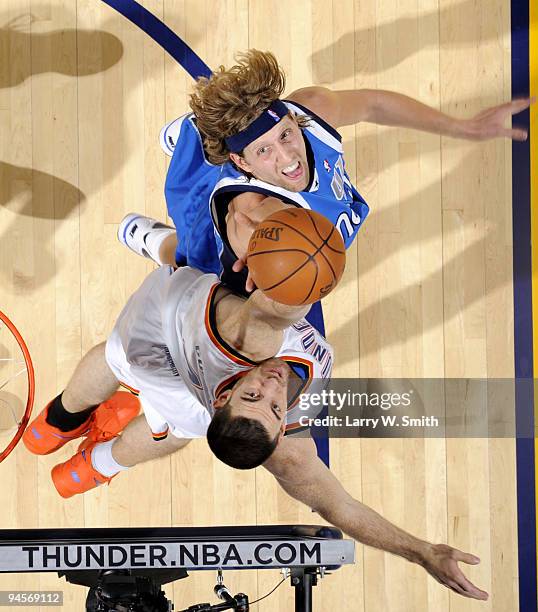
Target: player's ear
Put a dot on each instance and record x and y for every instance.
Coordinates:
(222, 399)
(240, 162)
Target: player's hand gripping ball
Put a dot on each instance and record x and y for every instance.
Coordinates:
(296, 256)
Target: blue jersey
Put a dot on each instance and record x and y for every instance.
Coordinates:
(189, 183)
(194, 187)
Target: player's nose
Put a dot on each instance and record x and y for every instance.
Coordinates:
(283, 154)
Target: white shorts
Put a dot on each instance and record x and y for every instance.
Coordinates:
(167, 402)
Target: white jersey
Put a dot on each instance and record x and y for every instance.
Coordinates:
(137, 353)
(209, 365)
(182, 346)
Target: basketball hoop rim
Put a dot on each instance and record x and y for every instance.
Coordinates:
(31, 385)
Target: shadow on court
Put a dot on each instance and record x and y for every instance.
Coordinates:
(393, 41)
(472, 260)
(398, 317)
(32, 194)
(27, 51)
(24, 53)
(67, 133)
(17, 187)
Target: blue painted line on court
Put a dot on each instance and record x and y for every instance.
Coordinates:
(162, 35)
(523, 319)
(320, 434)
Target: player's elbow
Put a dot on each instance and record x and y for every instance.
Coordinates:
(321, 101)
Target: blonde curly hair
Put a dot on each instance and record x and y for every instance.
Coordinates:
(230, 100)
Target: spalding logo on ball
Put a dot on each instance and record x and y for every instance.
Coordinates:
(296, 256)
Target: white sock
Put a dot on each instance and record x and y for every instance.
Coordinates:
(154, 239)
(103, 461)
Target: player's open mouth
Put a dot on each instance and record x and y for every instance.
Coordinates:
(294, 171)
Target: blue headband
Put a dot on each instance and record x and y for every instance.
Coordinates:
(268, 119)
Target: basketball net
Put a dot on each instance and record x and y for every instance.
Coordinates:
(17, 386)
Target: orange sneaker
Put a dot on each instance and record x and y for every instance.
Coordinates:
(113, 416)
(77, 475)
(105, 422)
(41, 438)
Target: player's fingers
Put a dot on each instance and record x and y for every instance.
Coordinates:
(519, 134)
(469, 589)
(238, 265)
(454, 586)
(249, 285)
(514, 106)
(459, 555)
(520, 104)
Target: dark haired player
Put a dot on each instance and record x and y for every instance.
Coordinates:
(183, 339)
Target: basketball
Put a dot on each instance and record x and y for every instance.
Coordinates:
(296, 256)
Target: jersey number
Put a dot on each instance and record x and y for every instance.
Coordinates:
(337, 184)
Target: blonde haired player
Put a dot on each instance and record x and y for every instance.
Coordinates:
(244, 152)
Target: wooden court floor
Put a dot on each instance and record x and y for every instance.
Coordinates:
(427, 290)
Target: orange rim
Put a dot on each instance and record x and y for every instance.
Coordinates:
(31, 386)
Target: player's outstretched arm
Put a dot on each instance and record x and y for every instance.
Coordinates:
(255, 326)
(348, 107)
(279, 316)
(303, 475)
